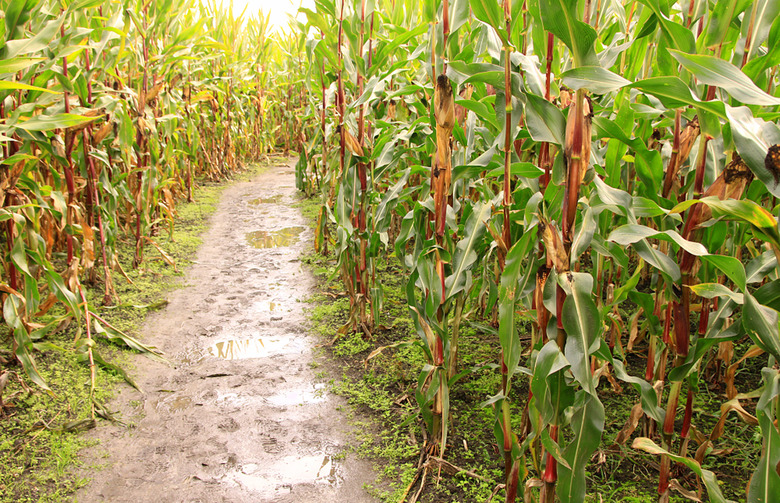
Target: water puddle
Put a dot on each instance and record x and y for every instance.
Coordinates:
(267, 306)
(274, 239)
(299, 396)
(266, 200)
(289, 471)
(174, 403)
(239, 349)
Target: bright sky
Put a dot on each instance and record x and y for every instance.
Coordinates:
(279, 9)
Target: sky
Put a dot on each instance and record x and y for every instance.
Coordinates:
(279, 9)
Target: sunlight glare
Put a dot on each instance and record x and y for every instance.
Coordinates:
(279, 10)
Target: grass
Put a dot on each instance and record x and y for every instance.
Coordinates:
(39, 438)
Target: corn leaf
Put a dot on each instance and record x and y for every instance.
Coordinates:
(713, 490)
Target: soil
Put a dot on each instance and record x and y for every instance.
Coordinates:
(241, 412)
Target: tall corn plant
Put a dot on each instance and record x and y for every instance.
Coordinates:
(597, 134)
(108, 119)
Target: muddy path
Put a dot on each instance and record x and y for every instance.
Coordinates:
(240, 415)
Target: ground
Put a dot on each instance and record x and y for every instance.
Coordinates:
(239, 412)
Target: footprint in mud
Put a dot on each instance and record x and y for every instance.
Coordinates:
(271, 445)
(229, 424)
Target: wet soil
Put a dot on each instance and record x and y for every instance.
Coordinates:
(240, 414)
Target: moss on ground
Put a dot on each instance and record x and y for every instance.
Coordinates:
(39, 438)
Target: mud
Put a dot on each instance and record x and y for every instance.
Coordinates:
(240, 415)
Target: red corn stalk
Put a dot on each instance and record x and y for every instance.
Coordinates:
(550, 475)
(444, 113)
(729, 185)
(576, 156)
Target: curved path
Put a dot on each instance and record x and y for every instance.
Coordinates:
(240, 415)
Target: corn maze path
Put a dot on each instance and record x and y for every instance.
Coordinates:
(241, 414)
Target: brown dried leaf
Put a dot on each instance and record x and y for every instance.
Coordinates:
(444, 103)
(154, 91)
(554, 245)
(633, 331)
(88, 243)
(631, 424)
(167, 258)
(691, 495)
(727, 407)
(687, 138)
(102, 133)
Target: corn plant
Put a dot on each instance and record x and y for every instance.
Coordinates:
(111, 112)
(546, 158)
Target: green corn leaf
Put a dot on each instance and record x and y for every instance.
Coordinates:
(741, 210)
(648, 396)
(508, 297)
(19, 256)
(753, 137)
(560, 18)
(387, 205)
(761, 324)
(552, 447)
(731, 267)
(544, 120)
(660, 261)
(488, 12)
(765, 482)
(720, 19)
(631, 233)
(717, 72)
(587, 422)
(584, 237)
(57, 285)
(55, 121)
(550, 362)
(35, 44)
(767, 13)
(759, 268)
(16, 14)
(24, 355)
(485, 112)
(677, 35)
(712, 290)
(769, 295)
(14, 65)
(6, 85)
(119, 337)
(596, 79)
(524, 169)
(465, 251)
(582, 323)
(673, 93)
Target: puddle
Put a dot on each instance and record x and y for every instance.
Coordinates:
(266, 200)
(174, 403)
(299, 396)
(280, 477)
(268, 306)
(239, 349)
(274, 239)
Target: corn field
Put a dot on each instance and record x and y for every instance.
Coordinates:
(590, 181)
(110, 111)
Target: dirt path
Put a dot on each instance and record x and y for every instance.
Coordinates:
(240, 416)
